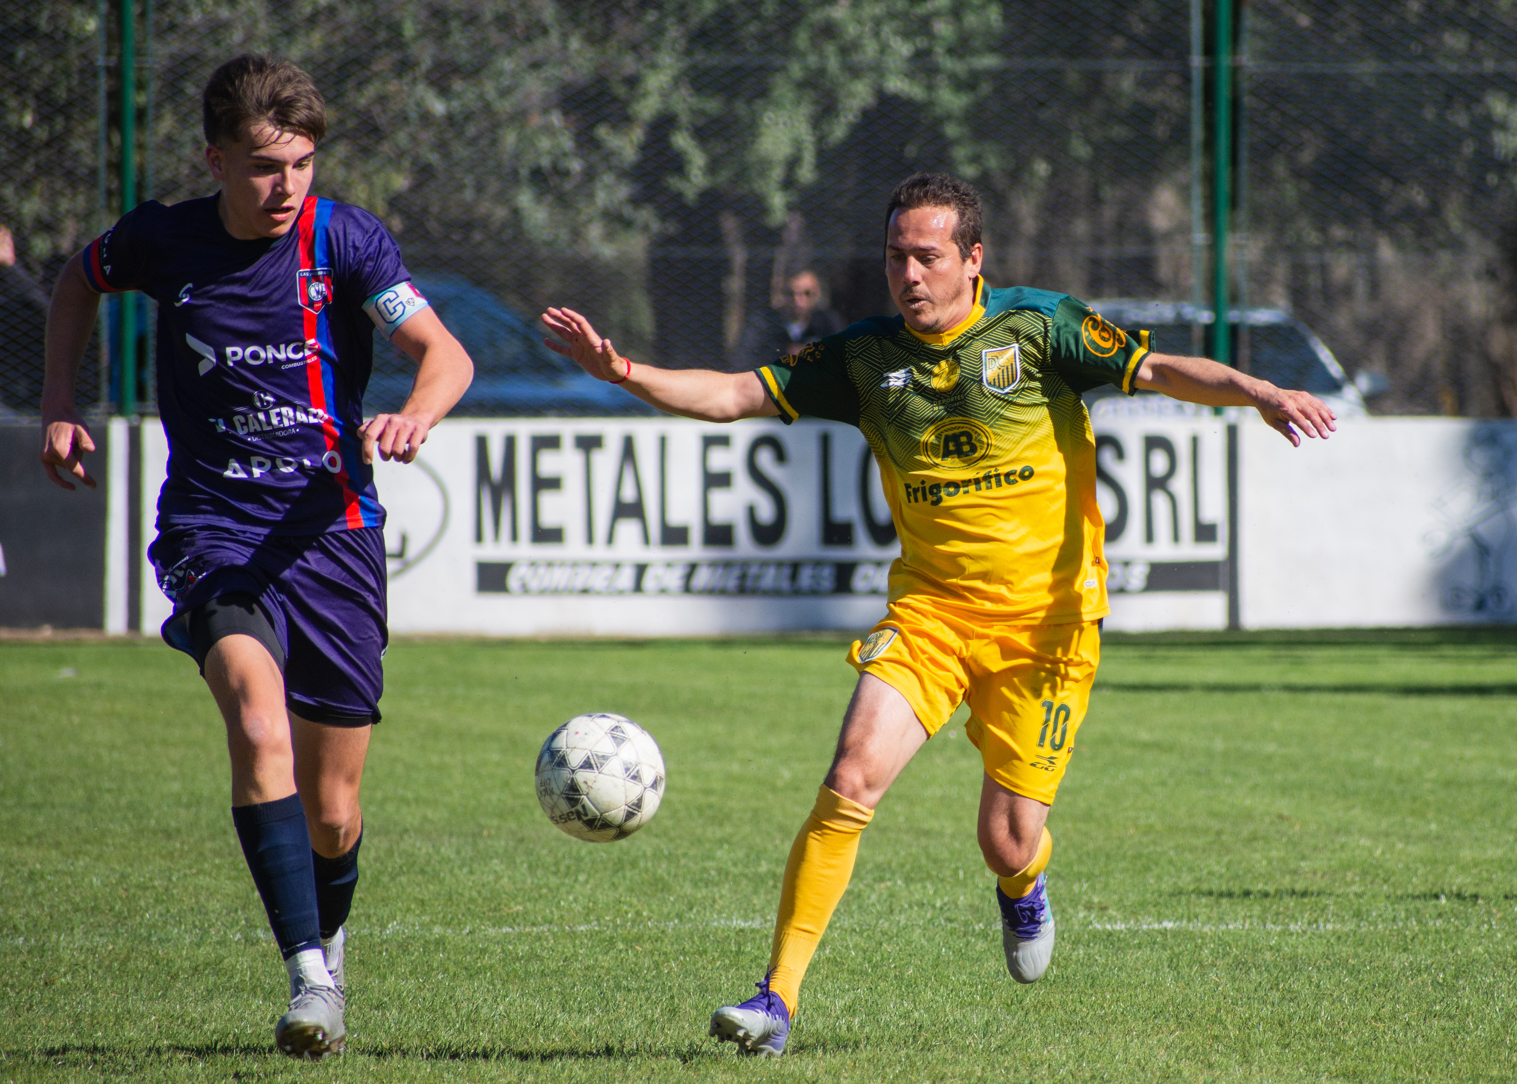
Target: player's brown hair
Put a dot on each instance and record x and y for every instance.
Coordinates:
(940, 190)
(250, 90)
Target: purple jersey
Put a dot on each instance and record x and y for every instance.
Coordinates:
(264, 351)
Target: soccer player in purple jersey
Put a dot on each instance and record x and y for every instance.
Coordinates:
(270, 537)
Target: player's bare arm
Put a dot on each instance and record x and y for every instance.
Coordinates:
(70, 321)
(691, 393)
(1200, 380)
(444, 374)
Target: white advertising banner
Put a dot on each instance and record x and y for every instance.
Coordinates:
(660, 527)
(636, 527)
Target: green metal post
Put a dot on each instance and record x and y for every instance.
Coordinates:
(128, 349)
(1198, 236)
(1222, 161)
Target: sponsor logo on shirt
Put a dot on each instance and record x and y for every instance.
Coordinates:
(270, 420)
(184, 294)
(314, 285)
(294, 353)
(899, 379)
(957, 444)
(935, 493)
(1101, 339)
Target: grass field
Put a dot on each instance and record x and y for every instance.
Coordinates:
(1277, 859)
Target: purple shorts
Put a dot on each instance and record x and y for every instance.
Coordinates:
(324, 596)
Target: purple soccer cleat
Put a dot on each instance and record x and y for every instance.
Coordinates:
(758, 1026)
(1027, 931)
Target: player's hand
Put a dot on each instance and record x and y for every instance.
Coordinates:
(1291, 413)
(65, 439)
(394, 436)
(590, 352)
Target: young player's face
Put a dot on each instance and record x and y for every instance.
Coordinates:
(264, 179)
(933, 285)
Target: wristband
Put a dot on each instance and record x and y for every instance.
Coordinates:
(623, 380)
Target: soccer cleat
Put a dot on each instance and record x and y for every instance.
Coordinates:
(313, 1028)
(758, 1026)
(332, 954)
(1027, 931)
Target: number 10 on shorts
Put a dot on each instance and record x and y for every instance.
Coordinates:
(1055, 728)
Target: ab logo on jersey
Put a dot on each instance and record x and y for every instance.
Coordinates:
(314, 285)
(956, 444)
(1001, 370)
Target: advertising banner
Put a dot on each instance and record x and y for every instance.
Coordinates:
(637, 527)
(660, 527)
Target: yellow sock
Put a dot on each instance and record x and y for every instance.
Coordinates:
(1020, 883)
(821, 862)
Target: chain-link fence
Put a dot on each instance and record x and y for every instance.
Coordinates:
(674, 168)
(1379, 145)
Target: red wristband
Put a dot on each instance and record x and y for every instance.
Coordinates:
(623, 380)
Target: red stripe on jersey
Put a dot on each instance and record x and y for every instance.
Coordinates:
(305, 224)
(94, 271)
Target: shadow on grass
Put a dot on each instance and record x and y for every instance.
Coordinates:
(100, 1052)
(1494, 688)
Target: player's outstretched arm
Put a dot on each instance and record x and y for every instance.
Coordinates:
(1201, 380)
(690, 393)
(444, 375)
(70, 321)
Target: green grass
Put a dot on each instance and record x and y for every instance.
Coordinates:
(1277, 859)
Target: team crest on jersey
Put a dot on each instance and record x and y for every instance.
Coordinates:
(314, 285)
(1001, 370)
(876, 644)
(957, 444)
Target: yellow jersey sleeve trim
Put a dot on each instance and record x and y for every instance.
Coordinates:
(776, 394)
(943, 338)
(1133, 362)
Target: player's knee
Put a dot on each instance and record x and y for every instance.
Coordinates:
(334, 825)
(1005, 854)
(263, 734)
(854, 782)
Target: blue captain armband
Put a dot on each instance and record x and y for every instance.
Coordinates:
(393, 306)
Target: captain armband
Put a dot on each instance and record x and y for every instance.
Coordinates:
(393, 306)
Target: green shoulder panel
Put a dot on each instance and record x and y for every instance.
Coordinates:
(814, 383)
(1088, 352)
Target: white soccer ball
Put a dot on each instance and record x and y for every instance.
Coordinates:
(600, 777)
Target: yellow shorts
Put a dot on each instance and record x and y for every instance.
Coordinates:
(1027, 686)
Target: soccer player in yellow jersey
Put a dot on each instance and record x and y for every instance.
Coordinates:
(970, 400)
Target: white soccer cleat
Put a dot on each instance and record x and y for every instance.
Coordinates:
(759, 1026)
(1027, 932)
(313, 1029)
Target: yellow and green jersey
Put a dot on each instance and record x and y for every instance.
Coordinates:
(984, 445)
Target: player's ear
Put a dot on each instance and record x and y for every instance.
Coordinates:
(976, 257)
(216, 161)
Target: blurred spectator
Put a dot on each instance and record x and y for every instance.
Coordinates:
(801, 318)
(23, 327)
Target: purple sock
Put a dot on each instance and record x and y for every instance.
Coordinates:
(277, 845)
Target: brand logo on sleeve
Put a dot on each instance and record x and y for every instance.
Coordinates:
(314, 285)
(1001, 370)
(1101, 339)
(184, 294)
